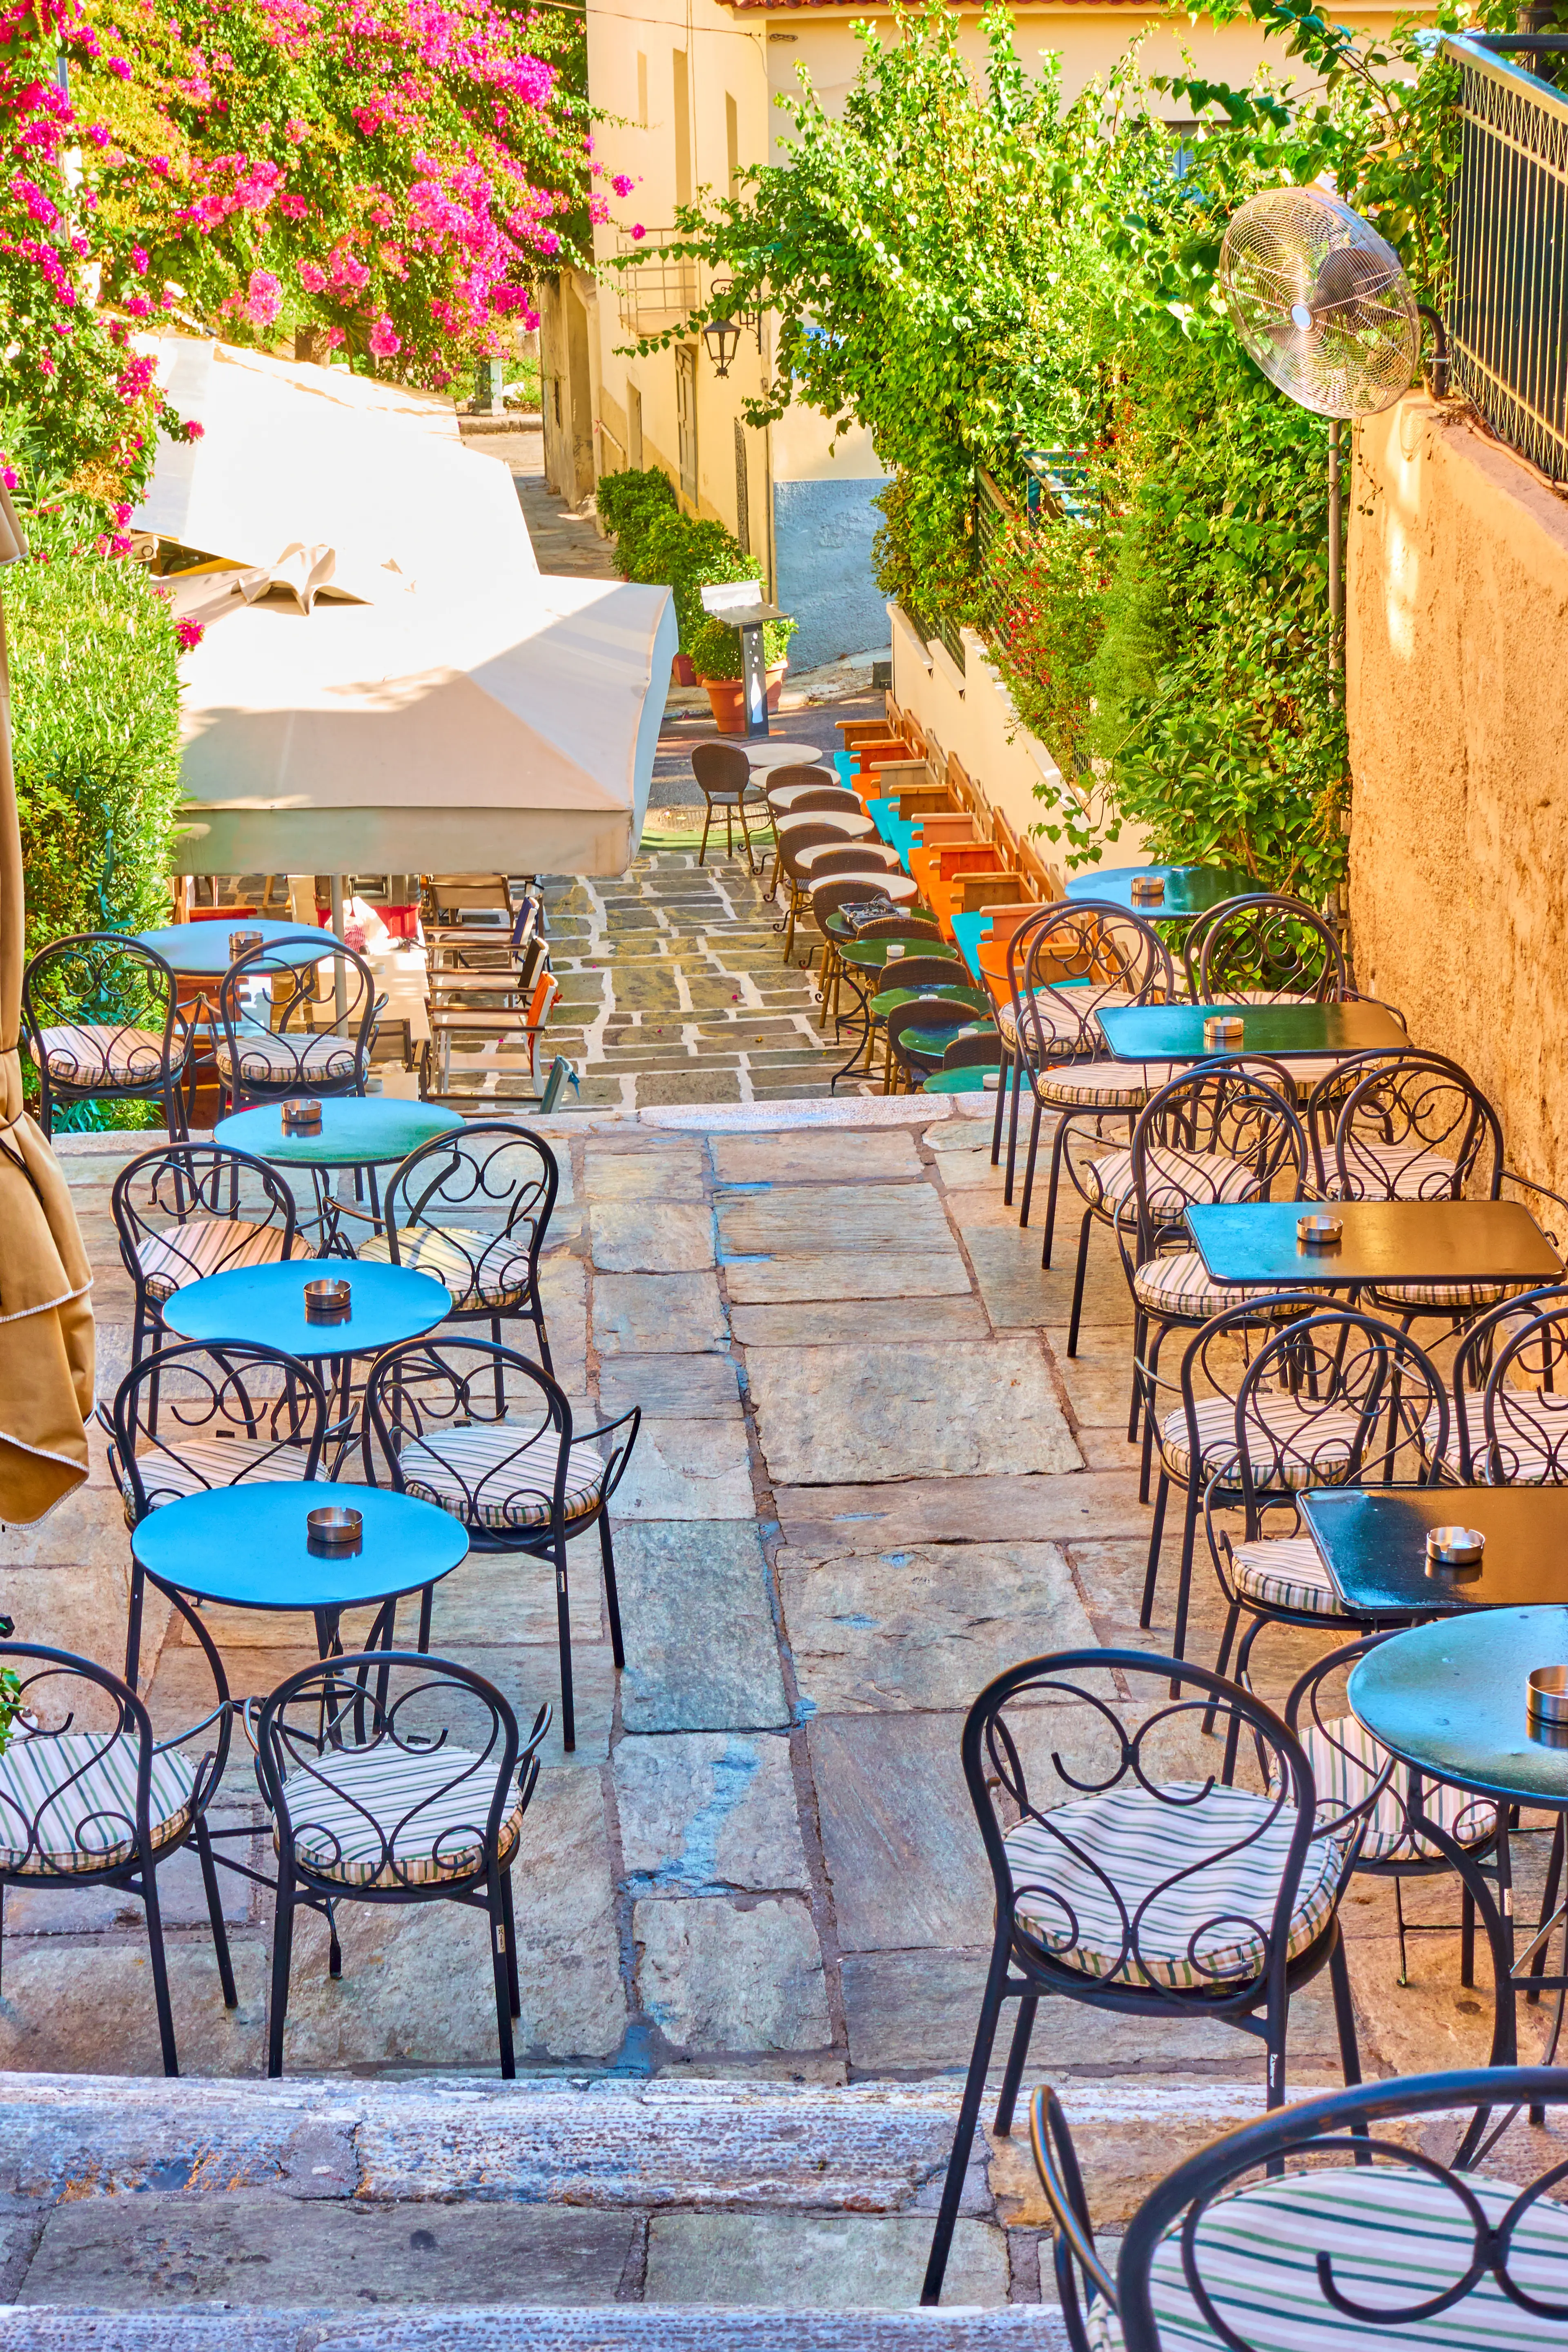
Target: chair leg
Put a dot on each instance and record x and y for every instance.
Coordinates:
(1344, 2010)
(564, 1625)
(1030, 1158)
(536, 1313)
(514, 1989)
(215, 1914)
(1184, 1583)
(1003, 1073)
(611, 1597)
(1155, 1535)
(1140, 1341)
(1548, 1901)
(1017, 1067)
(282, 1953)
(1154, 1341)
(968, 2117)
(1399, 1927)
(1467, 1938)
(1058, 1146)
(133, 1627)
(1078, 1281)
(1222, 1659)
(707, 820)
(155, 1953)
(501, 1945)
(1017, 2058)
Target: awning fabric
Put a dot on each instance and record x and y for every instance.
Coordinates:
(46, 1315)
(461, 711)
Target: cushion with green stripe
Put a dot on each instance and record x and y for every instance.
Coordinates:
(1346, 1760)
(177, 1465)
(273, 1060)
(1196, 1869)
(205, 1245)
(386, 1816)
(68, 1801)
(479, 1269)
(1173, 1180)
(501, 1474)
(1395, 2238)
(1399, 1295)
(1290, 1441)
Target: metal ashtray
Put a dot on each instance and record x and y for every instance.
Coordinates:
(1223, 1029)
(1320, 1233)
(241, 942)
(1547, 1697)
(1455, 1547)
(334, 1529)
(326, 1302)
(1148, 890)
(301, 1115)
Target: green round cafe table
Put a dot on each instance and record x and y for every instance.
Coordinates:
(1449, 1699)
(359, 1131)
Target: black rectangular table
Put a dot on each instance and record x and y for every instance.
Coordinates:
(1175, 1032)
(1254, 1244)
(1375, 1541)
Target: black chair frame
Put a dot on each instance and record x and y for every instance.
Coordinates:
(194, 1177)
(108, 972)
(354, 1027)
(453, 1171)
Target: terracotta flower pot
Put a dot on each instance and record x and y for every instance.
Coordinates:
(681, 672)
(726, 697)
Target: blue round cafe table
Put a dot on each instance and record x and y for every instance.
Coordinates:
(1190, 890)
(247, 1546)
(200, 950)
(1449, 1698)
(266, 1305)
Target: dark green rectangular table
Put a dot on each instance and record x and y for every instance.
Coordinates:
(1175, 1032)
(1190, 890)
(1254, 1244)
(1375, 1541)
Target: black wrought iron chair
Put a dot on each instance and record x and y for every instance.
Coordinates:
(472, 1207)
(90, 1799)
(726, 781)
(187, 1210)
(483, 1432)
(1278, 1394)
(1081, 956)
(1133, 1887)
(102, 1017)
(194, 1418)
(1310, 2228)
(1266, 948)
(284, 1029)
(392, 1777)
(1223, 1131)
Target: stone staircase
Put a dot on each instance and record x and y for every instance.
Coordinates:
(555, 2214)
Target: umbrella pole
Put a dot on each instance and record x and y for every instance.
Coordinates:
(340, 977)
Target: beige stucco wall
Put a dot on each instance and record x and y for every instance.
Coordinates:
(1457, 659)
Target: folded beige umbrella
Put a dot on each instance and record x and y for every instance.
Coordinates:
(46, 1319)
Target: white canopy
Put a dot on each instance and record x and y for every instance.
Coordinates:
(463, 712)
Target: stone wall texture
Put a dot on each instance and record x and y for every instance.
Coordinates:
(1456, 663)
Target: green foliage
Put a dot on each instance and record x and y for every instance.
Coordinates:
(659, 545)
(969, 268)
(95, 719)
(628, 500)
(10, 1703)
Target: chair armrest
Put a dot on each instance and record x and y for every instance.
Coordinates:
(616, 1468)
(1055, 2161)
(1528, 1184)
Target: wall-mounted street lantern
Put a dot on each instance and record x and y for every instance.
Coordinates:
(723, 337)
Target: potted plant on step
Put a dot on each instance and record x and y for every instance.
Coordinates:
(716, 657)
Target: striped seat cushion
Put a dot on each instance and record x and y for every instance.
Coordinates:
(479, 1269)
(501, 1474)
(1182, 1285)
(1285, 1572)
(1098, 1085)
(181, 1465)
(385, 1816)
(85, 1054)
(1197, 1869)
(1311, 1442)
(1396, 2238)
(1346, 1760)
(1391, 1172)
(1172, 1179)
(1531, 1439)
(68, 1801)
(1401, 1295)
(205, 1245)
(1060, 1023)
(269, 1060)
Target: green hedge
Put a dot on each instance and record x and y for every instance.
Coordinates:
(659, 545)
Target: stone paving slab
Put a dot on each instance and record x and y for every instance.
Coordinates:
(709, 1812)
(630, 2328)
(846, 1274)
(718, 1976)
(794, 2261)
(706, 1656)
(830, 1415)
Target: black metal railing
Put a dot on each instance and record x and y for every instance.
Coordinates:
(1508, 297)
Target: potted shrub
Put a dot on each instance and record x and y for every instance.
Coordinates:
(716, 655)
(636, 504)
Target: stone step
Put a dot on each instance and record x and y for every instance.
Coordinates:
(632, 2328)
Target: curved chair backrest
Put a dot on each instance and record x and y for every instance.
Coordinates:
(901, 927)
(183, 1211)
(407, 1711)
(837, 890)
(1331, 1397)
(1264, 947)
(1329, 1097)
(976, 1053)
(431, 1394)
(1072, 958)
(68, 1808)
(721, 767)
(1291, 2256)
(194, 1418)
(814, 831)
(1476, 1356)
(925, 971)
(1018, 1781)
(284, 1033)
(820, 864)
(1219, 1132)
(1418, 1129)
(808, 799)
(1523, 1434)
(101, 1011)
(802, 776)
(492, 1170)
(1356, 1779)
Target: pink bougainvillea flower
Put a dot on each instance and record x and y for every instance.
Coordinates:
(138, 306)
(638, 229)
(384, 339)
(190, 634)
(312, 278)
(263, 297)
(139, 259)
(621, 184)
(293, 208)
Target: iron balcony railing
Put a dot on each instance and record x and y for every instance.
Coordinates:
(1508, 297)
(658, 289)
